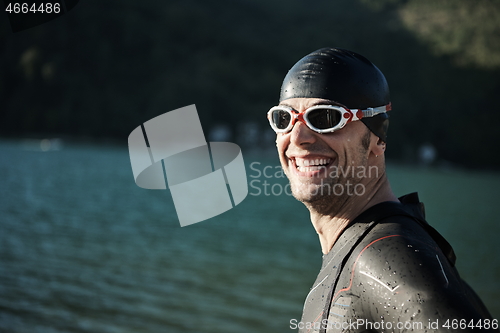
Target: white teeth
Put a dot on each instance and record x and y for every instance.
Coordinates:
(305, 165)
(310, 168)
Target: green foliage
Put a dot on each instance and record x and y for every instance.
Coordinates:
(469, 31)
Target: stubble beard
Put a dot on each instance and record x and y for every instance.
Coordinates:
(329, 195)
(332, 192)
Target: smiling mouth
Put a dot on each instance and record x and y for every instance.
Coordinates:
(305, 165)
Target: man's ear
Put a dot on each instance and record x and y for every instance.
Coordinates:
(377, 146)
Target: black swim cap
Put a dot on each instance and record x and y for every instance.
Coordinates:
(344, 77)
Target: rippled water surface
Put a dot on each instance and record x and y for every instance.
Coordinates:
(83, 249)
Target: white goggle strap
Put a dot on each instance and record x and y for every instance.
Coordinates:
(370, 112)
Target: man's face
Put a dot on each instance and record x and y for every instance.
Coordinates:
(323, 167)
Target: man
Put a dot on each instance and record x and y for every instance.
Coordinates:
(384, 268)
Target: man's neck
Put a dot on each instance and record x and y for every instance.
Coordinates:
(329, 225)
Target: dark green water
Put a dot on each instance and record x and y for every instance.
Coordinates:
(83, 249)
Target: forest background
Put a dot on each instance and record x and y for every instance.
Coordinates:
(105, 67)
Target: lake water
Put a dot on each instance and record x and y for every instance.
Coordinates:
(83, 249)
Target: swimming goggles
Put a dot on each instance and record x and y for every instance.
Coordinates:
(319, 118)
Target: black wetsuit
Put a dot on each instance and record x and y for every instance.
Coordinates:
(390, 271)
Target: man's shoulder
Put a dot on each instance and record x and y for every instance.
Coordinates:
(397, 237)
(405, 228)
(399, 256)
(401, 224)
(398, 260)
(395, 248)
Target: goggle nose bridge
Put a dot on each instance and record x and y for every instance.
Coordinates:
(298, 117)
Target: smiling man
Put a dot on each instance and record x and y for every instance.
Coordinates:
(384, 268)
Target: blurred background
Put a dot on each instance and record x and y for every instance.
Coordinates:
(82, 249)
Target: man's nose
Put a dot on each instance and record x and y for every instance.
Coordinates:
(301, 134)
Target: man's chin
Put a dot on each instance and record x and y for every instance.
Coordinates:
(309, 193)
